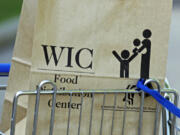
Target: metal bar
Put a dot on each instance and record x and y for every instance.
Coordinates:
(165, 120)
(167, 117)
(69, 114)
(14, 110)
(173, 126)
(170, 123)
(59, 92)
(35, 122)
(141, 114)
(53, 110)
(91, 115)
(165, 114)
(114, 109)
(156, 119)
(80, 116)
(157, 105)
(36, 112)
(102, 115)
(124, 115)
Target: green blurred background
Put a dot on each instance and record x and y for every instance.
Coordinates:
(9, 9)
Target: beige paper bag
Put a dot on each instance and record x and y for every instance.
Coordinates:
(104, 43)
(21, 62)
(122, 39)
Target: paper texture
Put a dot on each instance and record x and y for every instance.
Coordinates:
(20, 128)
(6, 117)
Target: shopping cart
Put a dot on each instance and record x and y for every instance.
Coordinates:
(169, 126)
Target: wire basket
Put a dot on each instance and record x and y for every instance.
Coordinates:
(168, 120)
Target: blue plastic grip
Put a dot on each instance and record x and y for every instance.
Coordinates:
(4, 68)
(156, 95)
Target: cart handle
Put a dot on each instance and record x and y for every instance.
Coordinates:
(4, 69)
(156, 95)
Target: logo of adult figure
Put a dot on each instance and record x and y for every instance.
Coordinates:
(124, 60)
(145, 58)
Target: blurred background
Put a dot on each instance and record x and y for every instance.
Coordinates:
(173, 71)
(9, 17)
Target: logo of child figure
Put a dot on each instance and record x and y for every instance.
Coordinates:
(125, 57)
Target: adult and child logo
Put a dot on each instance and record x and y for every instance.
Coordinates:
(125, 57)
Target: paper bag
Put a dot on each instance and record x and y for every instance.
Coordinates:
(21, 62)
(121, 39)
(97, 45)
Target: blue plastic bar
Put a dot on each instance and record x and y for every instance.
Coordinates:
(4, 69)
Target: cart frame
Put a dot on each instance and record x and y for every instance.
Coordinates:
(168, 120)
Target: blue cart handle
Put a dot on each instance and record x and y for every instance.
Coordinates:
(156, 95)
(4, 69)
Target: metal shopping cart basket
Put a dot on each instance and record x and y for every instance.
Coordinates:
(168, 120)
